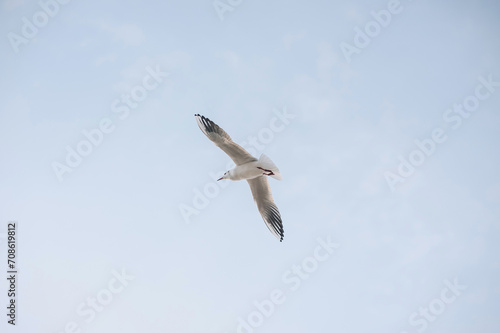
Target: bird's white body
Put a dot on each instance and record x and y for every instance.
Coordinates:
(250, 170)
(245, 171)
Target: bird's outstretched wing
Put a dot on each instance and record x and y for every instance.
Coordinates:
(218, 136)
(264, 199)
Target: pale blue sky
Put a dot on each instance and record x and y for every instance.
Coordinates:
(120, 208)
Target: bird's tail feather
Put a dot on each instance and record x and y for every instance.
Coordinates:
(266, 163)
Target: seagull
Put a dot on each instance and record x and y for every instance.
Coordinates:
(255, 171)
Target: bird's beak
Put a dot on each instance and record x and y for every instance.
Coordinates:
(219, 179)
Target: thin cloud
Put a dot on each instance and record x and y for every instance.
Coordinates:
(11, 4)
(129, 34)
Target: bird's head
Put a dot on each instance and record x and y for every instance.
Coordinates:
(225, 176)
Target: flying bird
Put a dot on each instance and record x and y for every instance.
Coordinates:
(255, 171)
